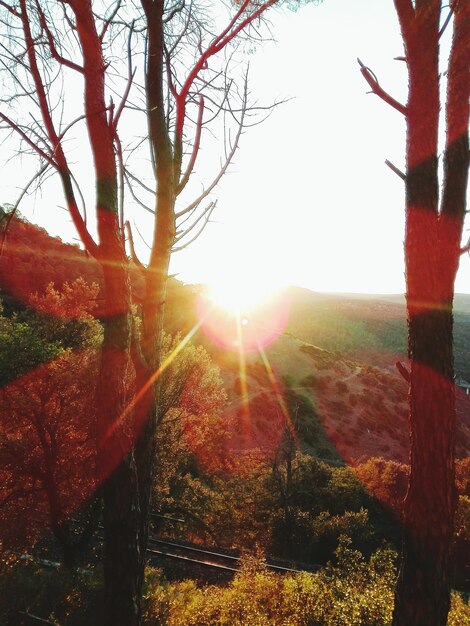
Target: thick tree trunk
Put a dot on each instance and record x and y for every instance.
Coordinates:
(157, 272)
(116, 466)
(423, 593)
(432, 241)
(147, 412)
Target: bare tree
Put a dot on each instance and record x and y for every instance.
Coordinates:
(181, 100)
(434, 226)
(33, 54)
(183, 93)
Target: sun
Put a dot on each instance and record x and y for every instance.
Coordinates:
(243, 310)
(241, 293)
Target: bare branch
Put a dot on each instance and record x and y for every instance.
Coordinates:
(197, 142)
(130, 238)
(447, 21)
(224, 167)
(28, 140)
(12, 213)
(127, 175)
(373, 83)
(131, 74)
(121, 170)
(225, 37)
(59, 161)
(137, 180)
(38, 619)
(51, 43)
(9, 8)
(403, 371)
(169, 76)
(142, 237)
(183, 232)
(395, 169)
(177, 9)
(109, 20)
(206, 214)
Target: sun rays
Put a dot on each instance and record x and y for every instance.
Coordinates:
(245, 324)
(240, 331)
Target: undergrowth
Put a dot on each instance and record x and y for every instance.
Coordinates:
(353, 591)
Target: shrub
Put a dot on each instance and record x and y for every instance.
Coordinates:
(352, 592)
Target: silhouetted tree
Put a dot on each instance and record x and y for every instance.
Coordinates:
(434, 224)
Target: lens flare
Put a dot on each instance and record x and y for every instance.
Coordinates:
(242, 324)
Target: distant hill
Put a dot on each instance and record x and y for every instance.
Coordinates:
(368, 328)
(334, 363)
(31, 259)
(349, 410)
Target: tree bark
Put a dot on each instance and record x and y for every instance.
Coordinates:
(423, 591)
(156, 275)
(115, 461)
(432, 241)
(116, 465)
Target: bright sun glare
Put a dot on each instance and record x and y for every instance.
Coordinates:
(243, 310)
(240, 294)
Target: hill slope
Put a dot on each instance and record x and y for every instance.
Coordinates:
(333, 365)
(335, 362)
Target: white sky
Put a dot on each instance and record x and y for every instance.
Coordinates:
(309, 200)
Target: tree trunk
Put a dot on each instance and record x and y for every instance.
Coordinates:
(115, 459)
(432, 242)
(157, 272)
(423, 593)
(146, 412)
(116, 465)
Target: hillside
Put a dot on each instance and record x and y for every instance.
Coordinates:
(31, 259)
(368, 328)
(347, 410)
(334, 363)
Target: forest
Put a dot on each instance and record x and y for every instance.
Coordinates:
(317, 443)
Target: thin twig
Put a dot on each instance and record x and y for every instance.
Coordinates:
(395, 169)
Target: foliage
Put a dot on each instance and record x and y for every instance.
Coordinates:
(192, 431)
(354, 592)
(53, 321)
(21, 348)
(65, 315)
(191, 382)
(240, 505)
(33, 591)
(460, 551)
(47, 415)
(47, 447)
(386, 480)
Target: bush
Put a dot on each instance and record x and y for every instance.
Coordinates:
(354, 592)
